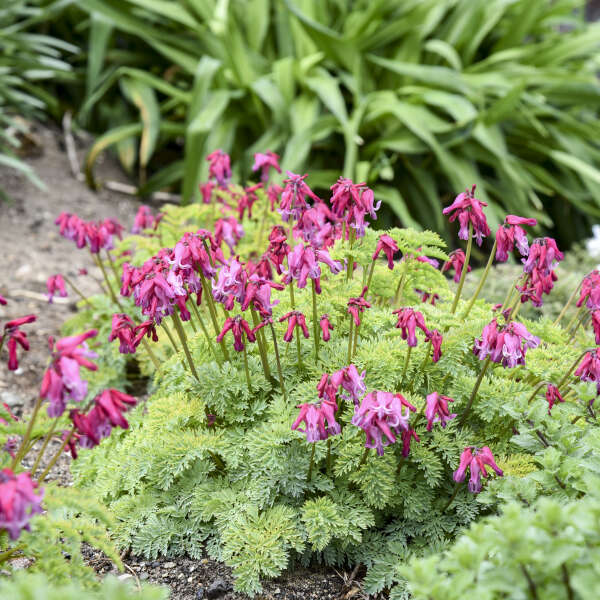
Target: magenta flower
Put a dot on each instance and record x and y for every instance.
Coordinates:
(437, 410)
(314, 417)
(543, 256)
(55, 284)
(381, 417)
(18, 502)
(351, 202)
(15, 337)
(295, 319)
(219, 167)
(507, 345)
(435, 338)
(278, 247)
(407, 436)
(231, 284)
(326, 326)
(264, 162)
(238, 327)
(476, 459)
(408, 320)
(144, 219)
(590, 290)
(535, 285)
(389, 248)
(228, 230)
(274, 195)
(351, 381)
(425, 296)
(356, 306)
(469, 209)
(2, 300)
(99, 421)
(596, 324)
(456, 262)
(293, 198)
(511, 232)
(122, 328)
(326, 388)
(589, 368)
(206, 189)
(62, 380)
(190, 253)
(148, 329)
(317, 226)
(553, 396)
(303, 263)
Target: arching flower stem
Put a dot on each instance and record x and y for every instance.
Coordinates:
(484, 368)
(464, 270)
(482, 280)
(182, 338)
(568, 304)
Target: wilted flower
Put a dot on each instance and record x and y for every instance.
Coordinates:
(314, 417)
(437, 410)
(469, 209)
(456, 262)
(476, 459)
(55, 284)
(553, 396)
(381, 417)
(511, 232)
(264, 162)
(18, 502)
(326, 326)
(388, 246)
(408, 320)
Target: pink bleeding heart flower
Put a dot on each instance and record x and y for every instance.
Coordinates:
(351, 202)
(295, 319)
(144, 219)
(326, 327)
(507, 345)
(543, 256)
(408, 320)
(468, 209)
(2, 300)
(590, 290)
(511, 233)
(351, 381)
(456, 262)
(122, 328)
(589, 368)
(407, 436)
(55, 284)
(278, 248)
(293, 198)
(219, 167)
(553, 396)
(206, 190)
(356, 306)
(381, 416)
(12, 332)
(319, 420)
(264, 162)
(436, 410)
(476, 459)
(19, 502)
(228, 230)
(388, 246)
(238, 327)
(596, 324)
(436, 339)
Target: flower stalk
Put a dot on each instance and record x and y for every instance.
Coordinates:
(315, 319)
(23, 446)
(464, 270)
(482, 280)
(56, 456)
(182, 338)
(279, 371)
(205, 332)
(568, 304)
(486, 364)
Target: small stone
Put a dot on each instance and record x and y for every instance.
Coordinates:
(190, 579)
(168, 565)
(155, 563)
(11, 398)
(144, 576)
(192, 568)
(204, 561)
(200, 593)
(277, 591)
(217, 588)
(124, 577)
(164, 575)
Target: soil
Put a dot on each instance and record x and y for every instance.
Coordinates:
(31, 251)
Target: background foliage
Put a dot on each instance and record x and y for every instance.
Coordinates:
(420, 98)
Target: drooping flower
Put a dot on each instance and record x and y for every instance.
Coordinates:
(12, 332)
(274, 195)
(543, 256)
(147, 329)
(381, 417)
(456, 262)
(351, 202)
(407, 436)
(590, 290)
(55, 284)
(437, 410)
(389, 247)
(476, 460)
(435, 338)
(2, 300)
(303, 263)
(62, 380)
(589, 368)
(18, 502)
(351, 381)
(553, 396)
(507, 345)
(535, 285)
(295, 319)
(219, 167)
(238, 327)
(408, 320)
(144, 219)
(293, 198)
(278, 248)
(106, 413)
(596, 324)
(356, 306)
(319, 420)
(206, 189)
(469, 209)
(264, 162)
(326, 326)
(425, 296)
(230, 284)
(511, 232)
(122, 328)
(317, 226)
(228, 230)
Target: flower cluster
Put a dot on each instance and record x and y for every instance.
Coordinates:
(16, 337)
(507, 345)
(476, 459)
(19, 502)
(469, 211)
(351, 203)
(509, 234)
(96, 235)
(144, 219)
(55, 284)
(539, 270)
